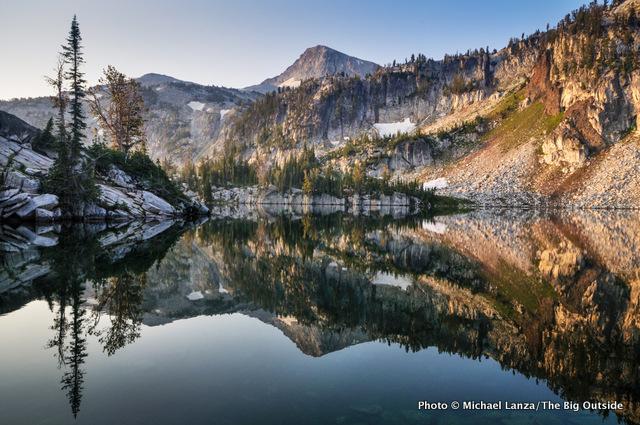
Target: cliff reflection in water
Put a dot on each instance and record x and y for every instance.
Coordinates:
(554, 298)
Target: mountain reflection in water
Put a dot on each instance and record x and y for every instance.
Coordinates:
(550, 297)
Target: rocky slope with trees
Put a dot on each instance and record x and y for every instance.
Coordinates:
(181, 118)
(126, 190)
(549, 120)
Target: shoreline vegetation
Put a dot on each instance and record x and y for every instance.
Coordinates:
(303, 179)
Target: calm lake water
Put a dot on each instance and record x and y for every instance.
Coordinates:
(328, 319)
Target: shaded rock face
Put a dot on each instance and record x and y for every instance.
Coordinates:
(410, 154)
(14, 128)
(540, 86)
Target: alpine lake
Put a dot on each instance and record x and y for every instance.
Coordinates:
(324, 319)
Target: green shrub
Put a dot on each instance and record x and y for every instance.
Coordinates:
(139, 166)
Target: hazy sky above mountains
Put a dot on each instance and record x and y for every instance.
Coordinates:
(237, 43)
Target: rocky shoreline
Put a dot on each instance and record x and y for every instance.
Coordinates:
(296, 199)
(121, 197)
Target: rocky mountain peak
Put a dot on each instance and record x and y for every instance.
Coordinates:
(315, 62)
(153, 79)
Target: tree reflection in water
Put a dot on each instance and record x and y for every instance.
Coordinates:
(116, 276)
(546, 300)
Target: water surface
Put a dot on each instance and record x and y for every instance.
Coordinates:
(320, 319)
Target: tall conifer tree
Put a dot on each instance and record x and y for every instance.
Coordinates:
(72, 52)
(71, 178)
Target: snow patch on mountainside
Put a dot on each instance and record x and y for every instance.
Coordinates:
(196, 106)
(291, 82)
(439, 183)
(195, 296)
(224, 112)
(393, 128)
(388, 279)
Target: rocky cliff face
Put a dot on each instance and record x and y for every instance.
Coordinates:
(572, 138)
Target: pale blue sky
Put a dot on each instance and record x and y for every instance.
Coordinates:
(237, 43)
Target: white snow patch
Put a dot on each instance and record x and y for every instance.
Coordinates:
(382, 278)
(439, 183)
(224, 112)
(291, 82)
(434, 226)
(196, 106)
(195, 295)
(222, 289)
(160, 88)
(393, 128)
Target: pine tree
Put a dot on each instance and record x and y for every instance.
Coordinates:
(122, 118)
(60, 173)
(46, 139)
(72, 53)
(308, 182)
(358, 177)
(70, 177)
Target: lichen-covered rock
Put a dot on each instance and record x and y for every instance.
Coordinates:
(44, 216)
(120, 178)
(7, 194)
(113, 197)
(23, 156)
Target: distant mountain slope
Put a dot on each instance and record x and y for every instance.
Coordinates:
(182, 118)
(316, 62)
